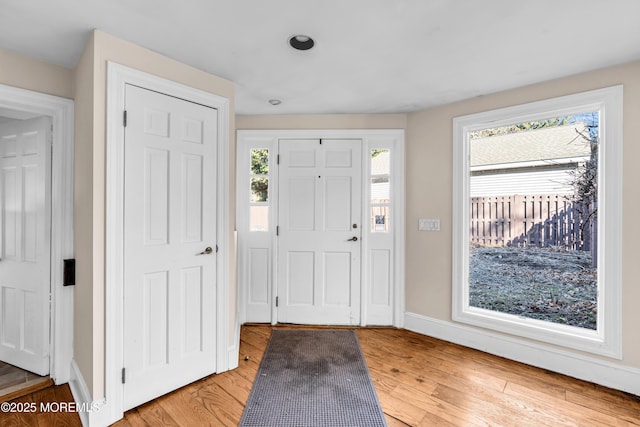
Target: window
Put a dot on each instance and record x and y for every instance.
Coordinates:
(259, 199)
(537, 208)
(380, 190)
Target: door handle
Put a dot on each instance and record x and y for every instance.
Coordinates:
(353, 239)
(206, 251)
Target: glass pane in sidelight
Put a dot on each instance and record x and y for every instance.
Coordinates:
(380, 170)
(259, 189)
(380, 219)
(259, 218)
(259, 161)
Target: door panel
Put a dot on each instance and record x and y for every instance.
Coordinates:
(337, 278)
(170, 218)
(25, 256)
(302, 203)
(337, 208)
(320, 203)
(300, 266)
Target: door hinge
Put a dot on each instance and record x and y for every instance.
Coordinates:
(124, 118)
(123, 375)
(320, 141)
(278, 159)
(277, 301)
(277, 230)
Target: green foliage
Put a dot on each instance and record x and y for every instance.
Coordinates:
(259, 189)
(260, 161)
(259, 166)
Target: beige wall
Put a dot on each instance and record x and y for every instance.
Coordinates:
(91, 95)
(26, 73)
(429, 193)
(83, 208)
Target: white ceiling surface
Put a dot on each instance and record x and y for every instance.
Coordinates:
(371, 56)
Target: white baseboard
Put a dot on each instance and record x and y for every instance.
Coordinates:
(604, 372)
(233, 351)
(89, 410)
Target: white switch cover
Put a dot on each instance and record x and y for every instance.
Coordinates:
(425, 224)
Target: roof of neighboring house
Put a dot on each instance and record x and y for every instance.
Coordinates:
(380, 163)
(546, 144)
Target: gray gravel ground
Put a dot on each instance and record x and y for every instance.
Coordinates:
(539, 283)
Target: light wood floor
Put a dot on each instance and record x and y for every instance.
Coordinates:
(420, 381)
(16, 382)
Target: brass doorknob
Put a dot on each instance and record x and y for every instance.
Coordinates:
(207, 251)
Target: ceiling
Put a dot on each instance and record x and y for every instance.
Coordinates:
(371, 56)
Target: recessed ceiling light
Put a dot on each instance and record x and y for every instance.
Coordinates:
(301, 42)
(275, 102)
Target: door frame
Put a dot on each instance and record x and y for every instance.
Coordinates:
(118, 76)
(369, 138)
(61, 309)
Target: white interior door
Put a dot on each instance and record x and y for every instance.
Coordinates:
(25, 260)
(319, 231)
(170, 244)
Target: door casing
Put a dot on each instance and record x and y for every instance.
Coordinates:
(111, 409)
(391, 138)
(61, 309)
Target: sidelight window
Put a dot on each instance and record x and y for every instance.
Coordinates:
(380, 190)
(259, 191)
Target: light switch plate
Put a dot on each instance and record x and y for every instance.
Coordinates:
(425, 224)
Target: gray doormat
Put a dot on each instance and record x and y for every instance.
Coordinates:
(312, 378)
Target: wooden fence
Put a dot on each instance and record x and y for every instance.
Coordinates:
(538, 220)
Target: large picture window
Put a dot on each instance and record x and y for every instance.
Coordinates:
(537, 211)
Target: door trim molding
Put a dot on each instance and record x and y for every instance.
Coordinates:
(117, 77)
(61, 314)
(367, 136)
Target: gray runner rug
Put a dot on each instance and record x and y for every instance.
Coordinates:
(313, 378)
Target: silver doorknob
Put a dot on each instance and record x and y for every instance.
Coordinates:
(353, 239)
(207, 251)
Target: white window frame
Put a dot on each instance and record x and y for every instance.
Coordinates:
(606, 339)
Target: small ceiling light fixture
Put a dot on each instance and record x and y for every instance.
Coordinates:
(301, 42)
(275, 102)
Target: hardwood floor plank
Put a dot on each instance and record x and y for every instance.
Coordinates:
(26, 388)
(420, 381)
(626, 410)
(131, 419)
(434, 409)
(182, 407)
(564, 412)
(482, 408)
(401, 409)
(223, 409)
(155, 415)
(393, 422)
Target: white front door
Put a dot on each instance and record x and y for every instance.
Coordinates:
(170, 244)
(319, 229)
(25, 260)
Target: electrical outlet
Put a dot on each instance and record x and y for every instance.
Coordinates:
(425, 224)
